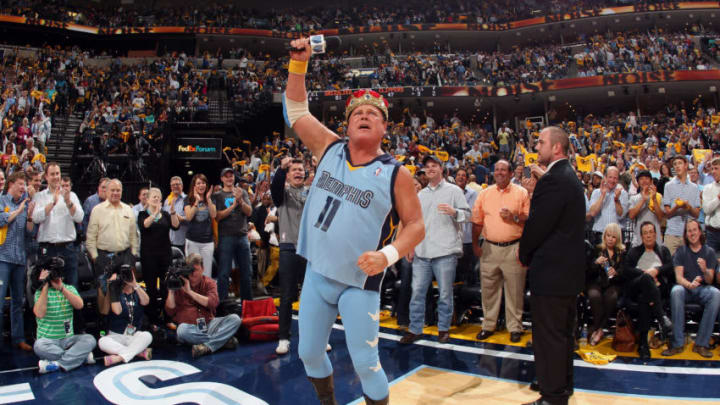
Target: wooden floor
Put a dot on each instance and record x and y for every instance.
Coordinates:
(429, 385)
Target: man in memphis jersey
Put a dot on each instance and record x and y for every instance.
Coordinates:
(347, 233)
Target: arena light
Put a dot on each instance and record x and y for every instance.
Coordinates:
(611, 93)
(713, 89)
(691, 16)
(430, 104)
(333, 108)
(661, 90)
(617, 20)
(552, 99)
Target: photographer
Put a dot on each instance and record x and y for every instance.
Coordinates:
(56, 345)
(125, 340)
(15, 216)
(193, 309)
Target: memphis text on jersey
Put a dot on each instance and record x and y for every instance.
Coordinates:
(363, 198)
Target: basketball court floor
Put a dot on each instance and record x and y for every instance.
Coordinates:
(463, 371)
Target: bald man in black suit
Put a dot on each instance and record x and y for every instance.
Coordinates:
(552, 245)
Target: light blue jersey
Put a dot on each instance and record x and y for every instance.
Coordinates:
(349, 211)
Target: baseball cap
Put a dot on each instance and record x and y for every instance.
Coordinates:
(226, 170)
(598, 174)
(431, 157)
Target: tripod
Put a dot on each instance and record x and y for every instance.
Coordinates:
(134, 171)
(95, 171)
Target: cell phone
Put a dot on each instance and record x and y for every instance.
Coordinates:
(526, 172)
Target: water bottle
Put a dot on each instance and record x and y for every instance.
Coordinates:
(584, 336)
(607, 266)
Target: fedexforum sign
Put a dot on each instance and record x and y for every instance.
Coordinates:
(198, 148)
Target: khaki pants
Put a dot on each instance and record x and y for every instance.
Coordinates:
(273, 265)
(500, 267)
(673, 243)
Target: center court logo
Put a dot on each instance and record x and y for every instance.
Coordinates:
(123, 385)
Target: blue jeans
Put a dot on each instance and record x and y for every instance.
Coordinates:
(713, 239)
(70, 352)
(219, 331)
(706, 295)
(234, 248)
(403, 300)
(13, 275)
(443, 268)
(69, 255)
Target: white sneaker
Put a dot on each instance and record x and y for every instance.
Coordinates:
(90, 359)
(46, 366)
(283, 346)
(328, 347)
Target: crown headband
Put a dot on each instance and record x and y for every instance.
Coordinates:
(366, 97)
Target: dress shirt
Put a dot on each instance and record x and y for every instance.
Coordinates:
(607, 213)
(88, 206)
(137, 208)
(443, 234)
(177, 237)
(13, 250)
(59, 225)
(470, 197)
(111, 228)
(711, 203)
(676, 189)
(486, 212)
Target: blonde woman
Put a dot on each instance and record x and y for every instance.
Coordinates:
(155, 254)
(604, 280)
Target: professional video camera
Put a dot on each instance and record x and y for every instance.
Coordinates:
(177, 270)
(54, 264)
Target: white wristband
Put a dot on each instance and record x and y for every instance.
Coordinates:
(294, 110)
(391, 254)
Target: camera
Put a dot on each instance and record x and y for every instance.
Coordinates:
(120, 266)
(53, 264)
(177, 270)
(124, 273)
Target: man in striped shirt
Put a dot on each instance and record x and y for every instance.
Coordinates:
(681, 201)
(56, 345)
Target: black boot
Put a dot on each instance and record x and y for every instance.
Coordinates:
(384, 401)
(325, 389)
(666, 327)
(643, 347)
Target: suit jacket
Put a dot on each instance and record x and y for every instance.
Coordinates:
(553, 240)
